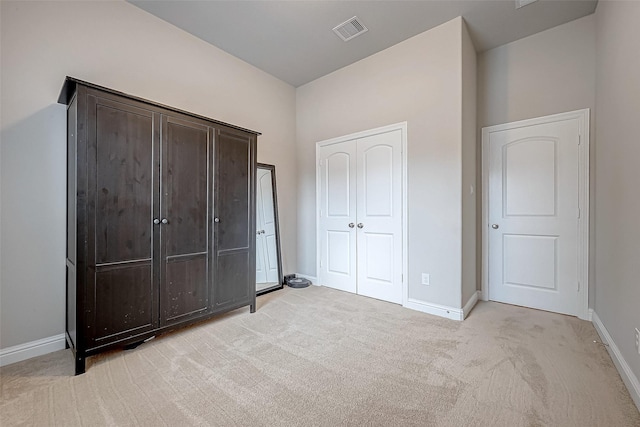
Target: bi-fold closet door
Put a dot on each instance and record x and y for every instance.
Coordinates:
(360, 216)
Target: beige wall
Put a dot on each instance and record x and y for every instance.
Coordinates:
(469, 90)
(546, 73)
(418, 81)
(117, 45)
(617, 174)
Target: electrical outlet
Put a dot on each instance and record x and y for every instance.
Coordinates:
(425, 279)
(638, 340)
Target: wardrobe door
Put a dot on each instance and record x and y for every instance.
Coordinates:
(185, 219)
(121, 295)
(234, 219)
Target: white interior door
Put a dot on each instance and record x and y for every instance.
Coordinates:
(379, 216)
(533, 216)
(261, 271)
(267, 224)
(360, 215)
(336, 224)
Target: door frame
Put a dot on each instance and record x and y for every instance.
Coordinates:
(583, 199)
(402, 126)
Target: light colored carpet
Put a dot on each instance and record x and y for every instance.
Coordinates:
(316, 356)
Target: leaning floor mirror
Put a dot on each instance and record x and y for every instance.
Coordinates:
(268, 258)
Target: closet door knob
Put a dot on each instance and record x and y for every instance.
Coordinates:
(495, 226)
(351, 225)
(165, 221)
(360, 225)
(156, 221)
(216, 219)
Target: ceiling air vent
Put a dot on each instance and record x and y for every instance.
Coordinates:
(350, 28)
(523, 3)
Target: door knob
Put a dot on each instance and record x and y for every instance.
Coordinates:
(495, 226)
(216, 219)
(165, 221)
(360, 225)
(351, 225)
(156, 221)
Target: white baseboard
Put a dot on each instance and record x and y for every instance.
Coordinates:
(25, 351)
(435, 309)
(470, 304)
(314, 280)
(629, 378)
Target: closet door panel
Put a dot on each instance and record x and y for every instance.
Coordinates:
(186, 209)
(121, 297)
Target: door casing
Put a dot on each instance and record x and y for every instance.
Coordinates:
(402, 126)
(583, 199)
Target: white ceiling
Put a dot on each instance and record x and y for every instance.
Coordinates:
(294, 41)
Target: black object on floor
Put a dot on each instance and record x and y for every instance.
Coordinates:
(298, 282)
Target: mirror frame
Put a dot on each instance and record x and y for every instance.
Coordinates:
(272, 169)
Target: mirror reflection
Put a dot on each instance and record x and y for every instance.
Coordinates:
(268, 260)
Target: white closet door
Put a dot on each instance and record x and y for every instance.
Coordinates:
(379, 216)
(360, 222)
(338, 216)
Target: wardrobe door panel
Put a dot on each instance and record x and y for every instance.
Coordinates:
(186, 205)
(234, 212)
(232, 192)
(122, 296)
(188, 287)
(232, 276)
(124, 187)
(125, 300)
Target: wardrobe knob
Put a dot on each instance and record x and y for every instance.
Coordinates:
(156, 221)
(360, 225)
(216, 219)
(164, 221)
(351, 225)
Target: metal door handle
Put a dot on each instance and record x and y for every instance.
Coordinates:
(165, 221)
(216, 219)
(360, 225)
(156, 221)
(495, 226)
(351, 225)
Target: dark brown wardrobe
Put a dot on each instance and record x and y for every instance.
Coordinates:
(160, 218)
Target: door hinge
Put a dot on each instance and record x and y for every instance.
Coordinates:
(579, 139)
(578, 286)
(579, 213)
(320, 263)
